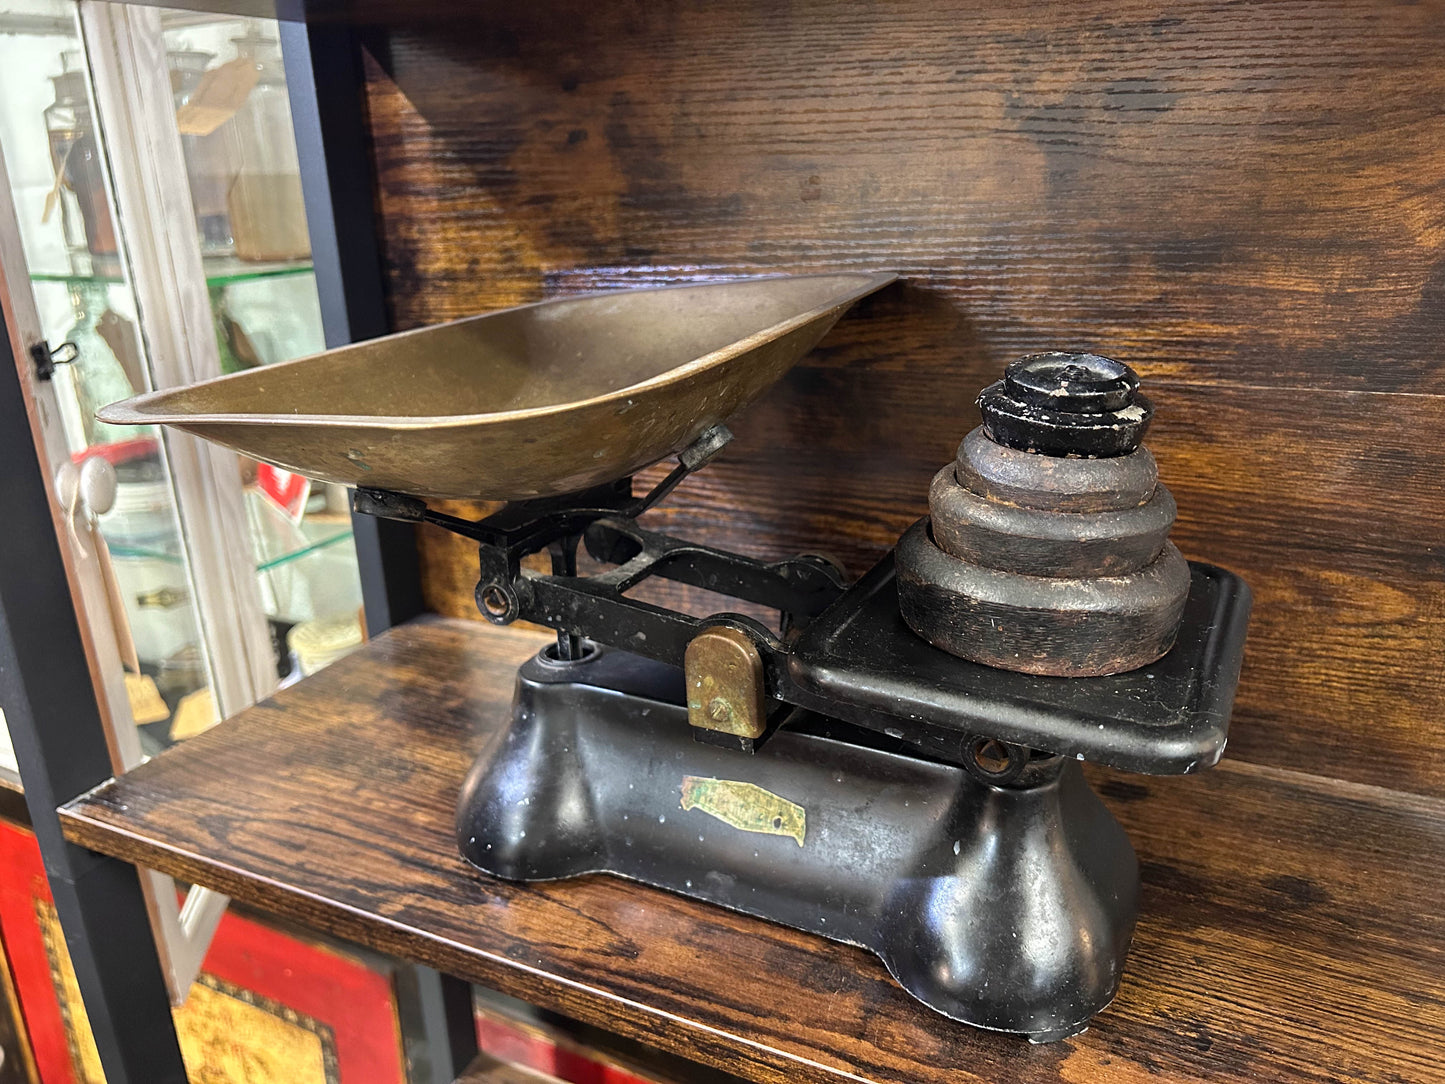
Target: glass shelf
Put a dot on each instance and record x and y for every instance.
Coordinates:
(321, 541)
(320, 533)
(147, 553)
(225, 270)
(221, 271)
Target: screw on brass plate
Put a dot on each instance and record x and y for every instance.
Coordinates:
(725, 687)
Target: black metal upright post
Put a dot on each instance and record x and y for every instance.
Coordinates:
(325, 81)
(59, 738)
(324, 78)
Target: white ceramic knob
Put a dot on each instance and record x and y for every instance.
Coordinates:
(98, 483)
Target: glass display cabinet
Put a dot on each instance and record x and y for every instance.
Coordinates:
(155, 234)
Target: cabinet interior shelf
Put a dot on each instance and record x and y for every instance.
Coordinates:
(322, 532)
(221, 271)
(320, 542)
(1265, 948)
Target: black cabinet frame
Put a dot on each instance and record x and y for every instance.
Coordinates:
(46, 690)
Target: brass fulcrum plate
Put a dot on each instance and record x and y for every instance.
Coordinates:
(533, 401)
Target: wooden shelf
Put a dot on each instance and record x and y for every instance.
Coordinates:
(1291, 926)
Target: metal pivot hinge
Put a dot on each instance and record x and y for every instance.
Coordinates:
(725, 683)
(47, 359)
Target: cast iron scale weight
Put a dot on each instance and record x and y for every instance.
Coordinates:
(841, 774)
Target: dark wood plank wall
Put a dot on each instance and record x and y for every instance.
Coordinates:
(1243, 201)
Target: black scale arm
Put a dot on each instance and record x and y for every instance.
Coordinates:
(844, 651)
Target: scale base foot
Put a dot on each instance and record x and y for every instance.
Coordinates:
(1008, 908)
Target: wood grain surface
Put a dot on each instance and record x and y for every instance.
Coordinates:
(1290, 927)
(1243, 202)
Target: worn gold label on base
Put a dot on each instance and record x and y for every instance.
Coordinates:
(746, 806)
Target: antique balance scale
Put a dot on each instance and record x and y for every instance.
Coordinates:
(892, 763)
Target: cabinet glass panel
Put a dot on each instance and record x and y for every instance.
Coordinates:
(67, 133)
(241, 164)
(9, 767)
(59, 179)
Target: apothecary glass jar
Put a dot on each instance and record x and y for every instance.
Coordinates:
(268, 218)
(209, 165)
(79, 195)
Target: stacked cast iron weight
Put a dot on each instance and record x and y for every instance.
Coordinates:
(1047, 547)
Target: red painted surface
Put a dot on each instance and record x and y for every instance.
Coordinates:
(288, 491)
(22, 882)
(520, 1046)
(356, 1002)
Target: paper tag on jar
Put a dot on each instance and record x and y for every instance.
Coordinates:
(146, 705)
(194, 714)
(218, 95)
(53, 196)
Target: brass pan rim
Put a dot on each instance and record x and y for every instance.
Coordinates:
(133, 411)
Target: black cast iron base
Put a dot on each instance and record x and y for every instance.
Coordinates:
(1009, 908)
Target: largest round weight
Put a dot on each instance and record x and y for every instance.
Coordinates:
(1065, 627)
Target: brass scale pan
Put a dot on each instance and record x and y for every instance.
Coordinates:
(535, 401)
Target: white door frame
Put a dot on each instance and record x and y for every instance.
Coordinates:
(133, 100)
